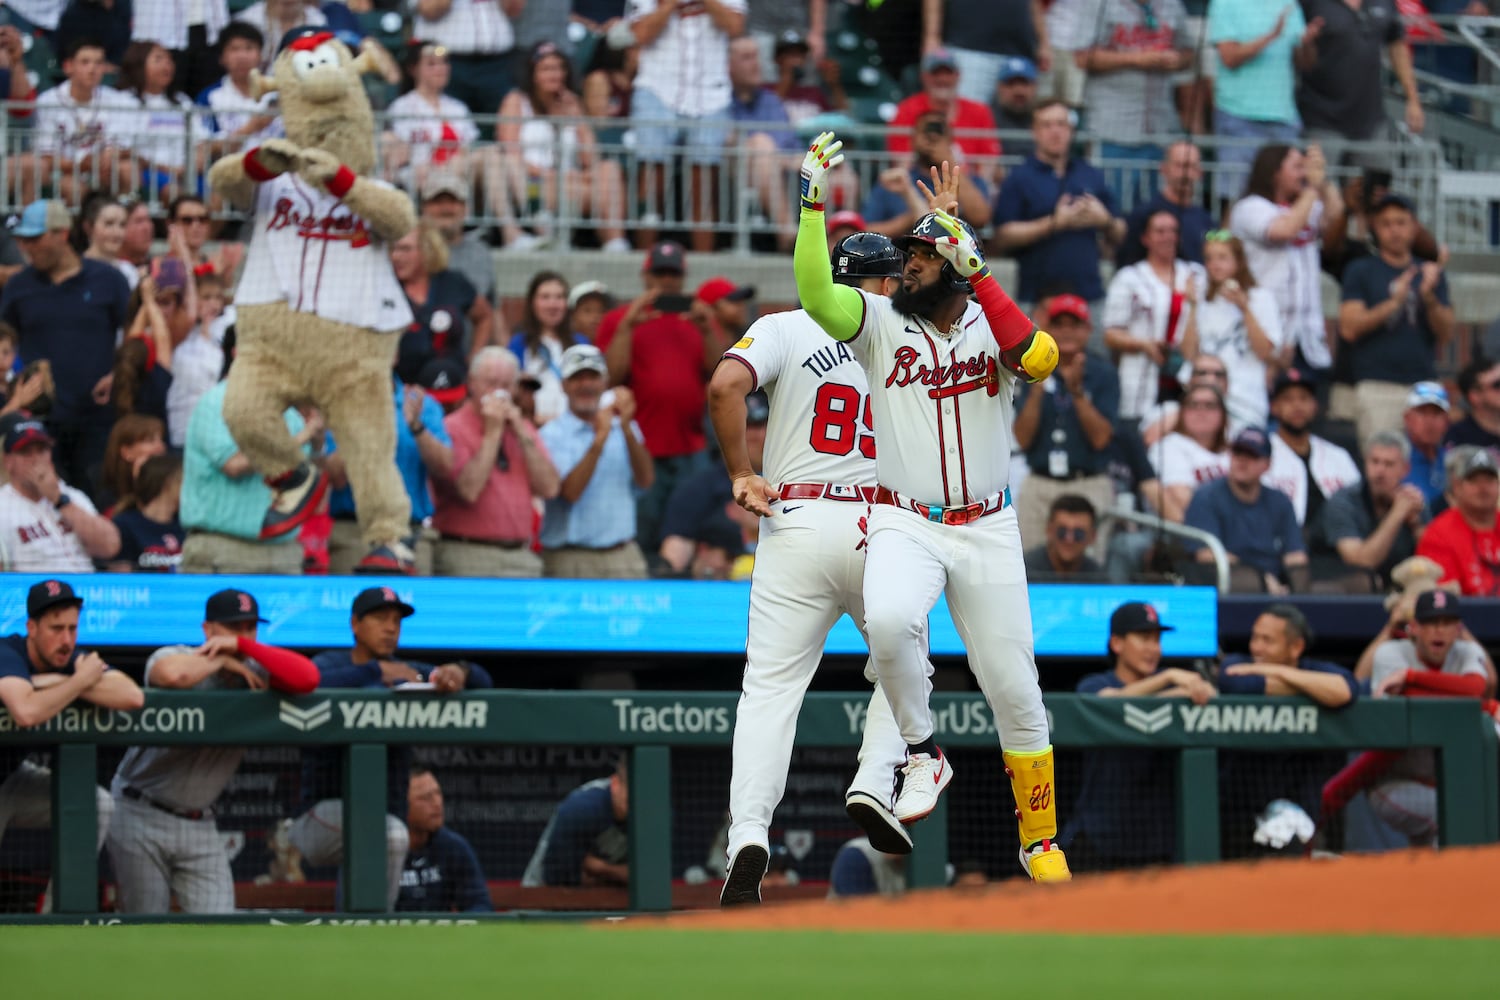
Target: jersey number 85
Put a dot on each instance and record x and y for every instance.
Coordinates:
(838, 412)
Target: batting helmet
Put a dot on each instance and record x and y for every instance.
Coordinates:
(929, 232)
(866, 255)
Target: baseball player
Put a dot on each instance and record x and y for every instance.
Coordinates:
(942, 372)
(818, 478)
(42, 673)
(375, 619)
(163, 838)
(1435, 661)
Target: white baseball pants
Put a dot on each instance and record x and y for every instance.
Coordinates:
(809, 570)
(980, 567)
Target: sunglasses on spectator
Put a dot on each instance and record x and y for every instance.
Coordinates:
(1210, 373)
(190, 220)
(1218, 236)
(1063, 534)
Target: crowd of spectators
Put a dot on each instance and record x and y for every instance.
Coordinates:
(575, 443)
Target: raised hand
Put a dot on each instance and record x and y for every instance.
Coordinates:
(825, 153)
(943, 195)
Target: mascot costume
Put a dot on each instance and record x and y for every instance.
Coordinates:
(319, 309)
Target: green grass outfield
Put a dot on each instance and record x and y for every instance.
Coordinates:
(503, 960)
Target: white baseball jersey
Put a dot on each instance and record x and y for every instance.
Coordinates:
(434, 135)
(312, 252)
(944, 419)
(687, 65)
(1181, 461)
(820, 428)
(33, 538)
(231, 110)
(1141, 305)
(1290, 271)
(1222, 333)
(1331, 467)
(69, 130)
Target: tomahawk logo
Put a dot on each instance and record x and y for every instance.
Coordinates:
(304, 719)
(1150, 722)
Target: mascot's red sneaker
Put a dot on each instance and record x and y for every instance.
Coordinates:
(393, 557)
(297, 495)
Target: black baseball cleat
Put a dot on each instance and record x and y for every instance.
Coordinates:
(742, 885)
(885, 831)
(297, 495)
(392, 558)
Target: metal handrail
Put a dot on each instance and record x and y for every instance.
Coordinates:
(1161, 524)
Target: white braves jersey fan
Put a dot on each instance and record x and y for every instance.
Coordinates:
(820, 429)
(945, 432)
(311, 252)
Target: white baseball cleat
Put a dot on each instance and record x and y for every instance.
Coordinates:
(922, 780)
(885, 831)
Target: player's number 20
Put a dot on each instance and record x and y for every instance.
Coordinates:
(838, 412)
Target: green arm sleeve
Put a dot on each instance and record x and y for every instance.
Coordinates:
(838, 309)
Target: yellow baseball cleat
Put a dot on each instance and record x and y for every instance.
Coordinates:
(1045, 862)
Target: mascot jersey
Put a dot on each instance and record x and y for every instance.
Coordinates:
(311, 252)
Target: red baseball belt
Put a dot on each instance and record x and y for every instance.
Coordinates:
(827, 491)
(946, 515)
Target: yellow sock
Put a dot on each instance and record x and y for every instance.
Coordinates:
(1031, 781)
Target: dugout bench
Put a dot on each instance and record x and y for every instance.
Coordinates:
(651, 724)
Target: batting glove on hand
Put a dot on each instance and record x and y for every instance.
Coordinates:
(822, 156)
(958, 248)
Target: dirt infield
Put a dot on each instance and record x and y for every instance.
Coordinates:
(1455, 892)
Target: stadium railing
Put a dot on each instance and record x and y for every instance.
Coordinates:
(651, 725)
(739, 216)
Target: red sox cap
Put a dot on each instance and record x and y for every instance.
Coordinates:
(1436, 605)
(226, 606)
(1136, 616)
(375, 598)
(48, 594)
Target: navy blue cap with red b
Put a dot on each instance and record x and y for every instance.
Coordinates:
(49, 594)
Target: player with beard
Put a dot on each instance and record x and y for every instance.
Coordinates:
(942, 373)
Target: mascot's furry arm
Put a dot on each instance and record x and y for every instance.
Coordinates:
(236, 180)
(388, 210)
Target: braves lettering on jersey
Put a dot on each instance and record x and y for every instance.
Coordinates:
(820, 429)
(311, 252)
(943, 430)
(1332, 469)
